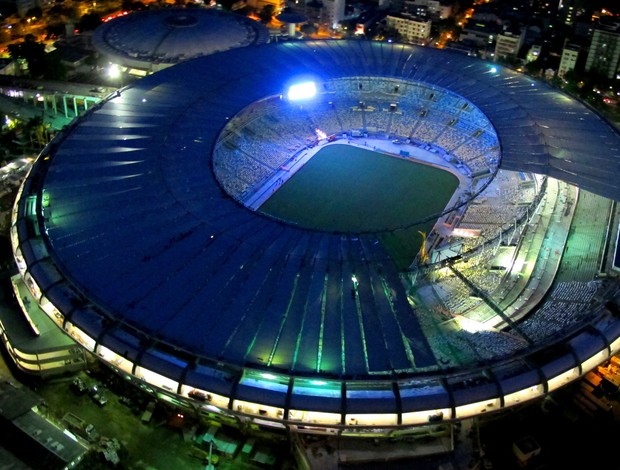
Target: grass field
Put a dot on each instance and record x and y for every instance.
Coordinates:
(348, 189)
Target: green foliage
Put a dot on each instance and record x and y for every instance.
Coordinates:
(55, 29)
(131, 5)
(34, 12)
(60, 10)
(55, 69)
(89, 22)
(309, 28)
(535, 67)
(32, 52)
(389, 33)
(266, 13)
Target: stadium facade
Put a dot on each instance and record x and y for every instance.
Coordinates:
(139, 246)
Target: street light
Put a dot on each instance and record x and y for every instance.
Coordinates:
(210, 466)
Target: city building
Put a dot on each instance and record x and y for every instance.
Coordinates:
(412, 29)
(604, 52)
(332, 12)
(325, 15)
(415, 10)
(433, 9)
(532, 54)
(28, 439)
(480, 34)
(35, 346)
(508, 44)
(526, 449)
(138, 232)
(23, 6)
(570, 55)
(567, 11)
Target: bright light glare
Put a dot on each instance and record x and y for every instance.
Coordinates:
(471, 326)
(302, 91)
(114, 71)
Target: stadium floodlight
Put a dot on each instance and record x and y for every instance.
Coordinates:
(114, 71)
(301, 91)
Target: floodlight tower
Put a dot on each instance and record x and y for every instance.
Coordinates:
(292, 19)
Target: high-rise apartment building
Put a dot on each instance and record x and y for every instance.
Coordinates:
(570, 54)
(604, 53)
(508, 44)
(413, 30)
(334, 11)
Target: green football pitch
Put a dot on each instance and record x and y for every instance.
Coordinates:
(353, 190)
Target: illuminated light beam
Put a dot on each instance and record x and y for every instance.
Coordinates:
(301, 91)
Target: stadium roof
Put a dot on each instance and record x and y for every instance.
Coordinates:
(170, 35)
(146, 249)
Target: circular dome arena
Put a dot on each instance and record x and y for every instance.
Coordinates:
(148, 231)
(154, 39)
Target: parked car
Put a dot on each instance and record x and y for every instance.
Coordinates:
(78, 386)
(97, 395)
(80, 427)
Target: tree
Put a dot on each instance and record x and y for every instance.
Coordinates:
(389, 33)
(131, 5)
(34, 12)
(55, 69)
(32, 52)
(36, 130)
(535, 68)
(59, 14)
(309, 28)
(54, 30)
(89, 22)
(266, 13)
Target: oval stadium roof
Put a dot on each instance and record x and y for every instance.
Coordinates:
(137, 244)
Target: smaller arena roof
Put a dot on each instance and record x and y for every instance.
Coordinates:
(168, 36)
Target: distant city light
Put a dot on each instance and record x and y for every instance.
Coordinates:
(301, 91)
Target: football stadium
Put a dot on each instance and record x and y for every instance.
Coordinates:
(331, 236)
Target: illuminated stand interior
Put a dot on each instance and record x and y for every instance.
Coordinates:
(300, 403)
